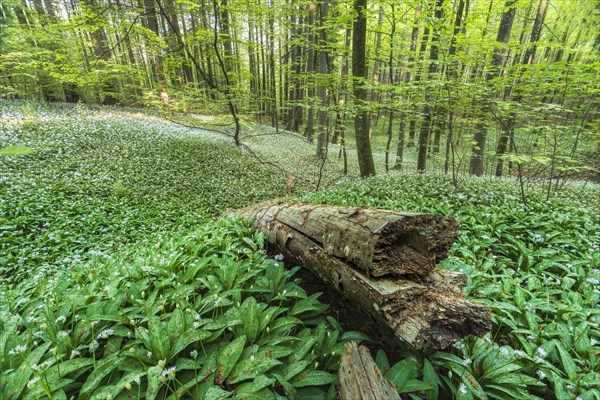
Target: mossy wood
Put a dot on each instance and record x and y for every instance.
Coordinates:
(360, 378)
(383, 261)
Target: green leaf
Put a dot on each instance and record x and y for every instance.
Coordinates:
(568, 364)
(254, 389)
(229, 358)
(382, 361)
(401, 372)
(295, 368)
(431, 377)
(355, 336)
(154, 382)
(414, 385)
(313, 378)
(16, 150)
(103, 368)
(17, 381)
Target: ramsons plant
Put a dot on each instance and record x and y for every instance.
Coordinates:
(201, 316)
(99, 180)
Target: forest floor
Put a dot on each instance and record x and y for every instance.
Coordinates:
(111, 200)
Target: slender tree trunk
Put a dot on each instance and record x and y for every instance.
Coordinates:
(393, 98)
(322, 89)
(476, 164)
(429, 108)
(359, 72)
(310, 72)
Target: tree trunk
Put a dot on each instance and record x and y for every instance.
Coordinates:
(309, 131)
(428, 111)
(383, 261)
(359, 72)
(322, 89)
(536, 32)
(477, 161)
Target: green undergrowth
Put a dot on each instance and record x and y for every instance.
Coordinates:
(116, 281)
(204, 315)
(98, 180)
(537, 266)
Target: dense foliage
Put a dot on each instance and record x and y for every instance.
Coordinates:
(97, 180)
(486, 85)
(201, 316)
(115, 284)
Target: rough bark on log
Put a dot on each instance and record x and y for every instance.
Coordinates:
(382, 260)
(360, 378)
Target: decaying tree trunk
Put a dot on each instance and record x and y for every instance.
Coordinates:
(360, 378)
(383, 261)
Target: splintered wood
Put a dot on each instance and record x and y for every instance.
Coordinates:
(360, 378)
(382, 260)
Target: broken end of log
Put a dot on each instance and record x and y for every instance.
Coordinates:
(413, 243)
(360, 378)
(431, 313)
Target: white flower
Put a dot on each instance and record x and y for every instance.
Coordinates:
(485, 237)
(169, 373)
(593, 281)
(32, 382)
(74, 353)
(541, 374)
(94, 345)
(505, 352)
(60, 319)
(466, 361)
(194, 353)
(462, 388)
(19, 349)
(520, 353)
(279, 257)
(543, 353)
(106, 333)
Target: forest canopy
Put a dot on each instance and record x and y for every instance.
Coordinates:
(505, 83)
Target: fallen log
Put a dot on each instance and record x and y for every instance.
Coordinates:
(382, 260)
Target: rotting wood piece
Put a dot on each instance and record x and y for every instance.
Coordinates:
(423, 311)
(360, 378)
(377, 242)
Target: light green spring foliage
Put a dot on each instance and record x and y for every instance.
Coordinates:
(536, 267)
